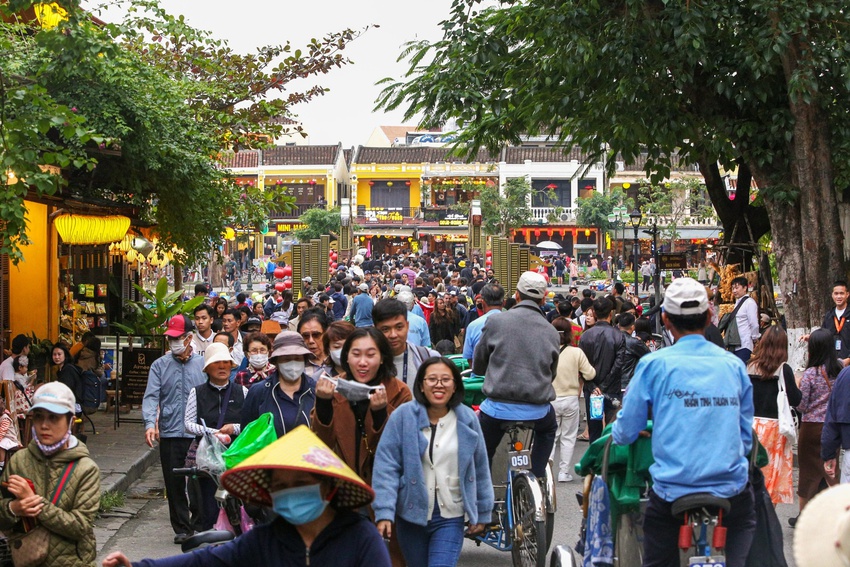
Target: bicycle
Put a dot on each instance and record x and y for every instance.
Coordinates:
(524, 520)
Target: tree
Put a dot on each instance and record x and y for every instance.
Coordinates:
(139, 112)
(502, 211)
(594, 210)
(674, 205)
(317, 222)
(757, 85)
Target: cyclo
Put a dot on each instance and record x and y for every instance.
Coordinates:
(613, 500)
(524, 515)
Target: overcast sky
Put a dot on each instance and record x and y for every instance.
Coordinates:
(345, 113)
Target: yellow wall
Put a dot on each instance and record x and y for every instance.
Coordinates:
(364, 193)
(32, 283)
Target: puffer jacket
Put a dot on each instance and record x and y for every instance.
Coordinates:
(71, 521)
(635, 349)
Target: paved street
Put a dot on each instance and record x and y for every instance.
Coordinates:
(148, 534)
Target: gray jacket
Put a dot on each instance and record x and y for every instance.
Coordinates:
(518, 356)
(169, 384)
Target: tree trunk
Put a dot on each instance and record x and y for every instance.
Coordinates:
(178, 275)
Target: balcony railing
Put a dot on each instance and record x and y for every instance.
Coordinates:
(296, 212)
(386, 215)
(542, 214)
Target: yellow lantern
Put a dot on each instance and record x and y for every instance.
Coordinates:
(89, 229)
(229, 233)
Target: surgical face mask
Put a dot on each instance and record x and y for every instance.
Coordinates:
(336, 353)
(178, 347)
(299, 505)
(354, 391)
(259, 360)
(292, 370)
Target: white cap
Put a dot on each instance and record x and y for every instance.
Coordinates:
(532, 284)
(217, 352)
(685, 296)
(363, 287)
(54, 397)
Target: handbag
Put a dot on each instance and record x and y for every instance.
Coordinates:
(729, 327)
(787, 427)
(30, 549)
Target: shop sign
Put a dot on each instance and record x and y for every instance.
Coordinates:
(453, 219)
(135, 369)
(289, 226)
(672, 261)
(395, 214)
(457, 237)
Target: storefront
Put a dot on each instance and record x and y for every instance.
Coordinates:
(387, 241)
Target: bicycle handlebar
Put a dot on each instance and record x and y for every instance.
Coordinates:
(185, 471)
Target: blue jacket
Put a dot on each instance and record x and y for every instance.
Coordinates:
(361, 310)
(702, 413)
(350, 540)
(836, 425)
(289, 413)
(398, 479)
(340, 305)
(169, 384)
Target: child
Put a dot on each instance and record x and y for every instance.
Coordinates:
(23, 389)
(8, 433)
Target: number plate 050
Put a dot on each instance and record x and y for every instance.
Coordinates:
(519, 460)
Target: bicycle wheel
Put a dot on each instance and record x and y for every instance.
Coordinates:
(528, 538)
(550, 507)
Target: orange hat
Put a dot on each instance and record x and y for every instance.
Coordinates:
(270, 327)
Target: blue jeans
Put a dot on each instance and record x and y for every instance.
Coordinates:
(436, 545)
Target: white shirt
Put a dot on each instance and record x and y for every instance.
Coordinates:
(200, 344)
(441, 476)
(748, 322)
(838, 313)
(238, 353)
(7, 371)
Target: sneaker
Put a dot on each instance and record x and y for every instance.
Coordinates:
(565, 477)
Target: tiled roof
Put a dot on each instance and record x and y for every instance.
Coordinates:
(284, 120)
(415, 154)
(348, 155)
(393, 132)
(541, 154)
(301, 155)
(245, 158)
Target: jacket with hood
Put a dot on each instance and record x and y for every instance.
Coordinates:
(71, 521)
(605, 347)
(289, 413)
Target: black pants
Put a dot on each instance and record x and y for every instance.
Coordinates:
(183, 511)
(595, 426)
(544, 439)
(661, 531)
(202, 490)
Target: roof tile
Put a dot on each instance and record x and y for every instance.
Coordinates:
(542, 154)
(241, 159)
(301, 155)
(415, 154)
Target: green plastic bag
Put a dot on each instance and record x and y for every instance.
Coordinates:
(256, 435)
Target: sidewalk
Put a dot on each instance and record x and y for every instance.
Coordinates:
(121, 453)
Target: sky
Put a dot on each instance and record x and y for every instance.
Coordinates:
(345, 113)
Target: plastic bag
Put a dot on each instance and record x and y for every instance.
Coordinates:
(245, 522)
(256, 435)
(210, 455)
(222, 523)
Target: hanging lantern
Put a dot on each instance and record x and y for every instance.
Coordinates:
(287, 271)
(334, 256)
(407, 183)
(371, 183)
(587, 232)
(280, 286)
(278, 273)
(89, 229)
(312, 182)
(229, 233)
(389, 183)
(489, 253)
(551, 186)
(287, 284)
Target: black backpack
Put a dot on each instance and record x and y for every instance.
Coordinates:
(92, 397)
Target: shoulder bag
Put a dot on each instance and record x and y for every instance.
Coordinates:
(787, 427)
(729, 327)
(30, 549)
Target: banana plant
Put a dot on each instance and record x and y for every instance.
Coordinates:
(149, 316)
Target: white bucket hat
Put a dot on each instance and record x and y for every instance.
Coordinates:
(822, 534)
(216, 352)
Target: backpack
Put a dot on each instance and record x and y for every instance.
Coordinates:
(92, 397)
(729, 327)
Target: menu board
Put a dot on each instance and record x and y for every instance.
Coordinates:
(134, 376)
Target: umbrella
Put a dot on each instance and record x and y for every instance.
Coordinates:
(548, 245)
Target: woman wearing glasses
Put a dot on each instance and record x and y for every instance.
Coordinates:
(312, 326)
(424, 489)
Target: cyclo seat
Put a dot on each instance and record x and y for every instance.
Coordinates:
(520, 425)
(697, 501)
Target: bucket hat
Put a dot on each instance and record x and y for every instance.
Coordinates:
(298, 450)
(217, 352)
(822, 534)
(288, 343)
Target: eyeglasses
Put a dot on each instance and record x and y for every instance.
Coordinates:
(433, 381)
(314, 335)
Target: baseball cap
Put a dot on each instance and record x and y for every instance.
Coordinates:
(363, 287)
(217, 352)
(685, 296)
(453, 292)
(54, 397)
(532, 284)
(178, 326)
(288, 343)
(253, 322)
(308, 279)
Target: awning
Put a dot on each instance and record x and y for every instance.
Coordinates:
(377, 231)
(443, 230)
(689, 233)
(584, 246)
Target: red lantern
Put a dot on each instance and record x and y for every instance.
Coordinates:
(334, 256)
(336, 266)
(278, 273)
(287, 271)
(287, 284)
(280, 286)
(330, 263)
(488, 262)
(489, 253)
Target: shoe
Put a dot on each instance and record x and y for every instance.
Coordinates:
(793, 521)
(565, 477)
(180, 538)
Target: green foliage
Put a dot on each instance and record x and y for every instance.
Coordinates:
(594, 210)
(673, 205)
(507, 209)
(317, 222)
(149, 316)
(153, 104)
(110, 500)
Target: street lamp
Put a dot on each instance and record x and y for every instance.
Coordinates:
(634, 220)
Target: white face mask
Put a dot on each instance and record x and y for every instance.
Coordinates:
(335, 355)
(178, 347)
(259, 360)
(292, 370)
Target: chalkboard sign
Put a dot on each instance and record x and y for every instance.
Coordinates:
(672, 261)
(134, 377)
